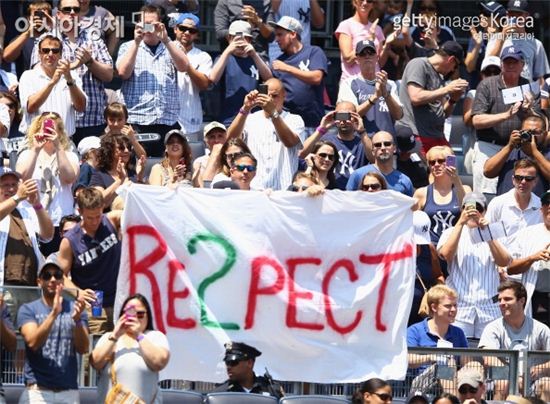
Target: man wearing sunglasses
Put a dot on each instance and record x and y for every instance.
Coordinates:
(194, 79)
(239, 361)
(527, 142)
(51, 87)
(243, 170)
(54, 329)
(470, 386)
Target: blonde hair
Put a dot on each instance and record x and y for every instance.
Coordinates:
(438, 292)
(36, 127)
(445, 150)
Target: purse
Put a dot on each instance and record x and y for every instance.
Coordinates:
(423, 309)
(120, 394)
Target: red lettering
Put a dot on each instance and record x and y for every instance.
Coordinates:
(294, 295)
(142, 267)
(353, 276)
(172, 320)
(255, 290)
(385, 259)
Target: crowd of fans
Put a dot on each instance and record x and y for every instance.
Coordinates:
(488, 253)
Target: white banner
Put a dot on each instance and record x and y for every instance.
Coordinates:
(322, 286)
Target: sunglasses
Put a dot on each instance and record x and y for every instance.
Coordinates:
(432, 163)
(465, 389)
(232, 363)
(248, 167)
(141, 314)
(527, 178)
(367, 187)
(184, 28)
(491, 71)
(232, 156)
(368, 52)
(46, 276)
(55, 51)
(326, 156)
(69, 9)
(380, 144)
(296, 188)
(384, 396)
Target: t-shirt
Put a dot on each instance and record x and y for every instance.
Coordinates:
(351, 156)
(396, 180)
(131, 369)
(301, 98)
(54, 365)
(507, 172)
(419, 335)
(425, 120)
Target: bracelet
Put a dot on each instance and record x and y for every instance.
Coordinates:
(89, 62)
(321, 130)
(140, 338)
(70, 83)
(242, 111)
(112, 338)
(38, 206)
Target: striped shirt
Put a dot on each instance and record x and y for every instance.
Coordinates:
(58, 101)
(276, 162)
(474, 276)
(151, 92)
(190, 112)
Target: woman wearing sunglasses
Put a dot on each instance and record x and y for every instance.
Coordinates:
(243, 170)
(373, 391)
(322, 162)
(218, 167)
(136, 351)
(373, 182)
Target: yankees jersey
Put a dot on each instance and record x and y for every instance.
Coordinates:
(351, 156)
(441, 216)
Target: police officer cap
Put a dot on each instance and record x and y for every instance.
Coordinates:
(239, 351)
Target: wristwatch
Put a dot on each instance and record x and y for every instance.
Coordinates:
(70, 82)
(16, 198)
(275, 115)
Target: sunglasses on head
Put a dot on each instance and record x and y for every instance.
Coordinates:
(367, 187)
(47, 275)
(384, 396)
(248, 167)
(232, 363)
(326, 156)
(185, 28)
(55, 51)
(465, 389)
(527, 178)
(380, 144)
(69, 9)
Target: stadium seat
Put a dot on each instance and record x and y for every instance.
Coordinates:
(313, 399)
(151, 161)
(197, 149)
(88, 395)
(181, 397)
(12, 392)
(238, 398)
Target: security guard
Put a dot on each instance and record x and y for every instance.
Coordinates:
(239, 359)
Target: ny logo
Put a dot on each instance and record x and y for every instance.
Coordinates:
(382, 106)
(346, 163)
(517, 3)
(304, 15)
(304, 66)
(442, 221)
(254, 73)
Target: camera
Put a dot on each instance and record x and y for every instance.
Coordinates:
(342, 116)
(525, 136)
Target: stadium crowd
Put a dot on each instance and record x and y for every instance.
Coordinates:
(389, 129)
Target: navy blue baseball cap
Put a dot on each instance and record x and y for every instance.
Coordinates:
(511, 52)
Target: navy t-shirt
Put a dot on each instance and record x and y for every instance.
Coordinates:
(54, 365)
(301, 98)
(351, 156)
(240, 77)
(505, 177)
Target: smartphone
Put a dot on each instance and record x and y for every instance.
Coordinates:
(450, 161)
(182, 161)
(262, 88)
(130, 311)
(239, 34)
(148, 27)
(39, 14)
(48, 125)
(470, 205)
(342, 116)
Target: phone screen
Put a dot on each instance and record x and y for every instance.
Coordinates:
(450, 161)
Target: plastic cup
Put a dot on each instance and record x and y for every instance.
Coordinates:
(97, 305)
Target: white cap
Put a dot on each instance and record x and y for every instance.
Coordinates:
(87, 144)
(490, 61)
(421, 223)
(240, 26)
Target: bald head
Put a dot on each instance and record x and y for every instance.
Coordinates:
(345, 106)
(382, 136)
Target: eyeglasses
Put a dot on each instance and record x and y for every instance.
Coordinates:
(248, 167)
(527, 178)
(232, 156)
(232, 363)
(466, 388)
(70, 9)
(141, 314)
(326, 156)
(384, 396)
(184, 28)
(367, 187)
(47, 275)
(432, 163)
(55, 51)
(380, 144)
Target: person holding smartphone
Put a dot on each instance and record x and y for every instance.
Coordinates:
(176, 167)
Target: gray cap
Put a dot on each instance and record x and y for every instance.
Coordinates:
(174, 132)
(288, 23)
(475, 197)
(240, 26)
(50, 261)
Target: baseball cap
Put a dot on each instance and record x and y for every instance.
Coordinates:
(421, 223)
(453, 48)
(404, 138)
(491, 8)
(174, 132)
(240, 26)
(288, 23)
(239, 351)
(470, 377)
(475, 197)
(545, 198)
(511, 52)
(188, 16)
(418, 396)
(213, 125)
(87, 144)
(518, 5)
(490, 61)
(50, 261)
(364, 44)
(8, 171)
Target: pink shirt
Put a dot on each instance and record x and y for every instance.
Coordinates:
(358, 32)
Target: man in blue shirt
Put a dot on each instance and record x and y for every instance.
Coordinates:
(302, 69)
(54, 329)
(383, 148)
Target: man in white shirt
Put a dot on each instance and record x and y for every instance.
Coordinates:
(50, 87)
(273, 135)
